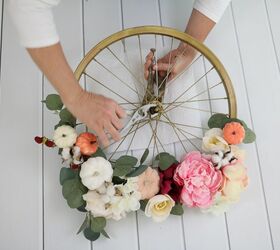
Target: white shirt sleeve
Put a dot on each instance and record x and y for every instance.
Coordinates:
(213, 9)
(34, 22)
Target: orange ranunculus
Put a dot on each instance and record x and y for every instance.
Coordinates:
(87, 142)
(233, 133)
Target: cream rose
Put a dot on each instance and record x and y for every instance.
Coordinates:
(159, 207)
(95, 171)
(213, 141)
(65, 136)
(236, 180)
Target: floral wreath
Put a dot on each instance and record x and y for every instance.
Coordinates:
(210, 180)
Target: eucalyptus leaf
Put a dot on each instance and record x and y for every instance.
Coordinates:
(82, 208)
(90, 235)
(67, 117)
(97, 224)
(165, 160)
(53, 102)
(117, 180)
(250, 136)
(124, 165)
(104, 233)
(85, 224)
(139, 170)
(143, 204)
(218, 120)
(144, 156)
(177, 209)
(66, 174)
(99, 153)
(72, 191)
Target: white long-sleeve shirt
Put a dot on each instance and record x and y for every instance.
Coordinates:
(36, 27)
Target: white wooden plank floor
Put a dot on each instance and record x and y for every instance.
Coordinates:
(33, 214)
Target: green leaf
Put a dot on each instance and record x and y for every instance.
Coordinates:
(85, 224)
(99, 153)
(104, 233)
(73, 191)
(66, 174)
(126, 160)
(117, 180)
(67, 117)
(144, 156)
(82, 208)
(139, 170)
(124, 165)
(165, 160)
(177, 209)
(250, 136)
(75, 199)
(53, 102)
(218, 121)
(97, 224)
(90, 235)
(143, 204)
(62, 123)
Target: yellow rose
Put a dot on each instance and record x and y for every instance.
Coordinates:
(213, 141)
(159, 207)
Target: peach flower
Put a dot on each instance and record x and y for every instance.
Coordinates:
(235, 181)
(148, 183)
(199, 178)
(233, 133)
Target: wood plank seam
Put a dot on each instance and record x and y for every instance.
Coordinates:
(252, 124)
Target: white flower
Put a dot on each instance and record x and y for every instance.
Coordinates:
(65, 154)
(95, 171)
(213, 141)
(159, 207)
(96, 205)
(219, 205)
(65, 136)
(77, 155)
(221, 159)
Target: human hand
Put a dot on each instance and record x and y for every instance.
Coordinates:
(99, 113)
(175, 61)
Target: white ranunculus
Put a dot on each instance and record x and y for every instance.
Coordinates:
(65, 136)
(95, 171)
(96, 205)
(159, 207)
(213, 141)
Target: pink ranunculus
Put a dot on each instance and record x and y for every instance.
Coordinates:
(199, 179)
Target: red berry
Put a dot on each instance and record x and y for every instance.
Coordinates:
(74, 166)
(50, 144)
(38, 139)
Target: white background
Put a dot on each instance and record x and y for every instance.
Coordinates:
(33, 214)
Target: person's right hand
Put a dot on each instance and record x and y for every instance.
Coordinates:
(99, 113)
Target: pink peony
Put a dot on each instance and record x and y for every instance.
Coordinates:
(199, 178)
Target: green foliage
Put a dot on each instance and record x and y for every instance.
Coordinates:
(117, 180)
(66, 174)
(143, 204)
(90, 235)
(73, 191)
(85, 224)
(165, 160)
(97, 224)
(137, 171)
(218, 121)
(124, 165)
(60, 123)
(177, 209)
(53, 102)
(99, 153)
(144, 156)
(104, 233)
(250, 136)
(67, 117)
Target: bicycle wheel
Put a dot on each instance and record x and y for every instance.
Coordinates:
(114, 68)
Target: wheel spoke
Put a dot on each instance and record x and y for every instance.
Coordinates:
(102, 84)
